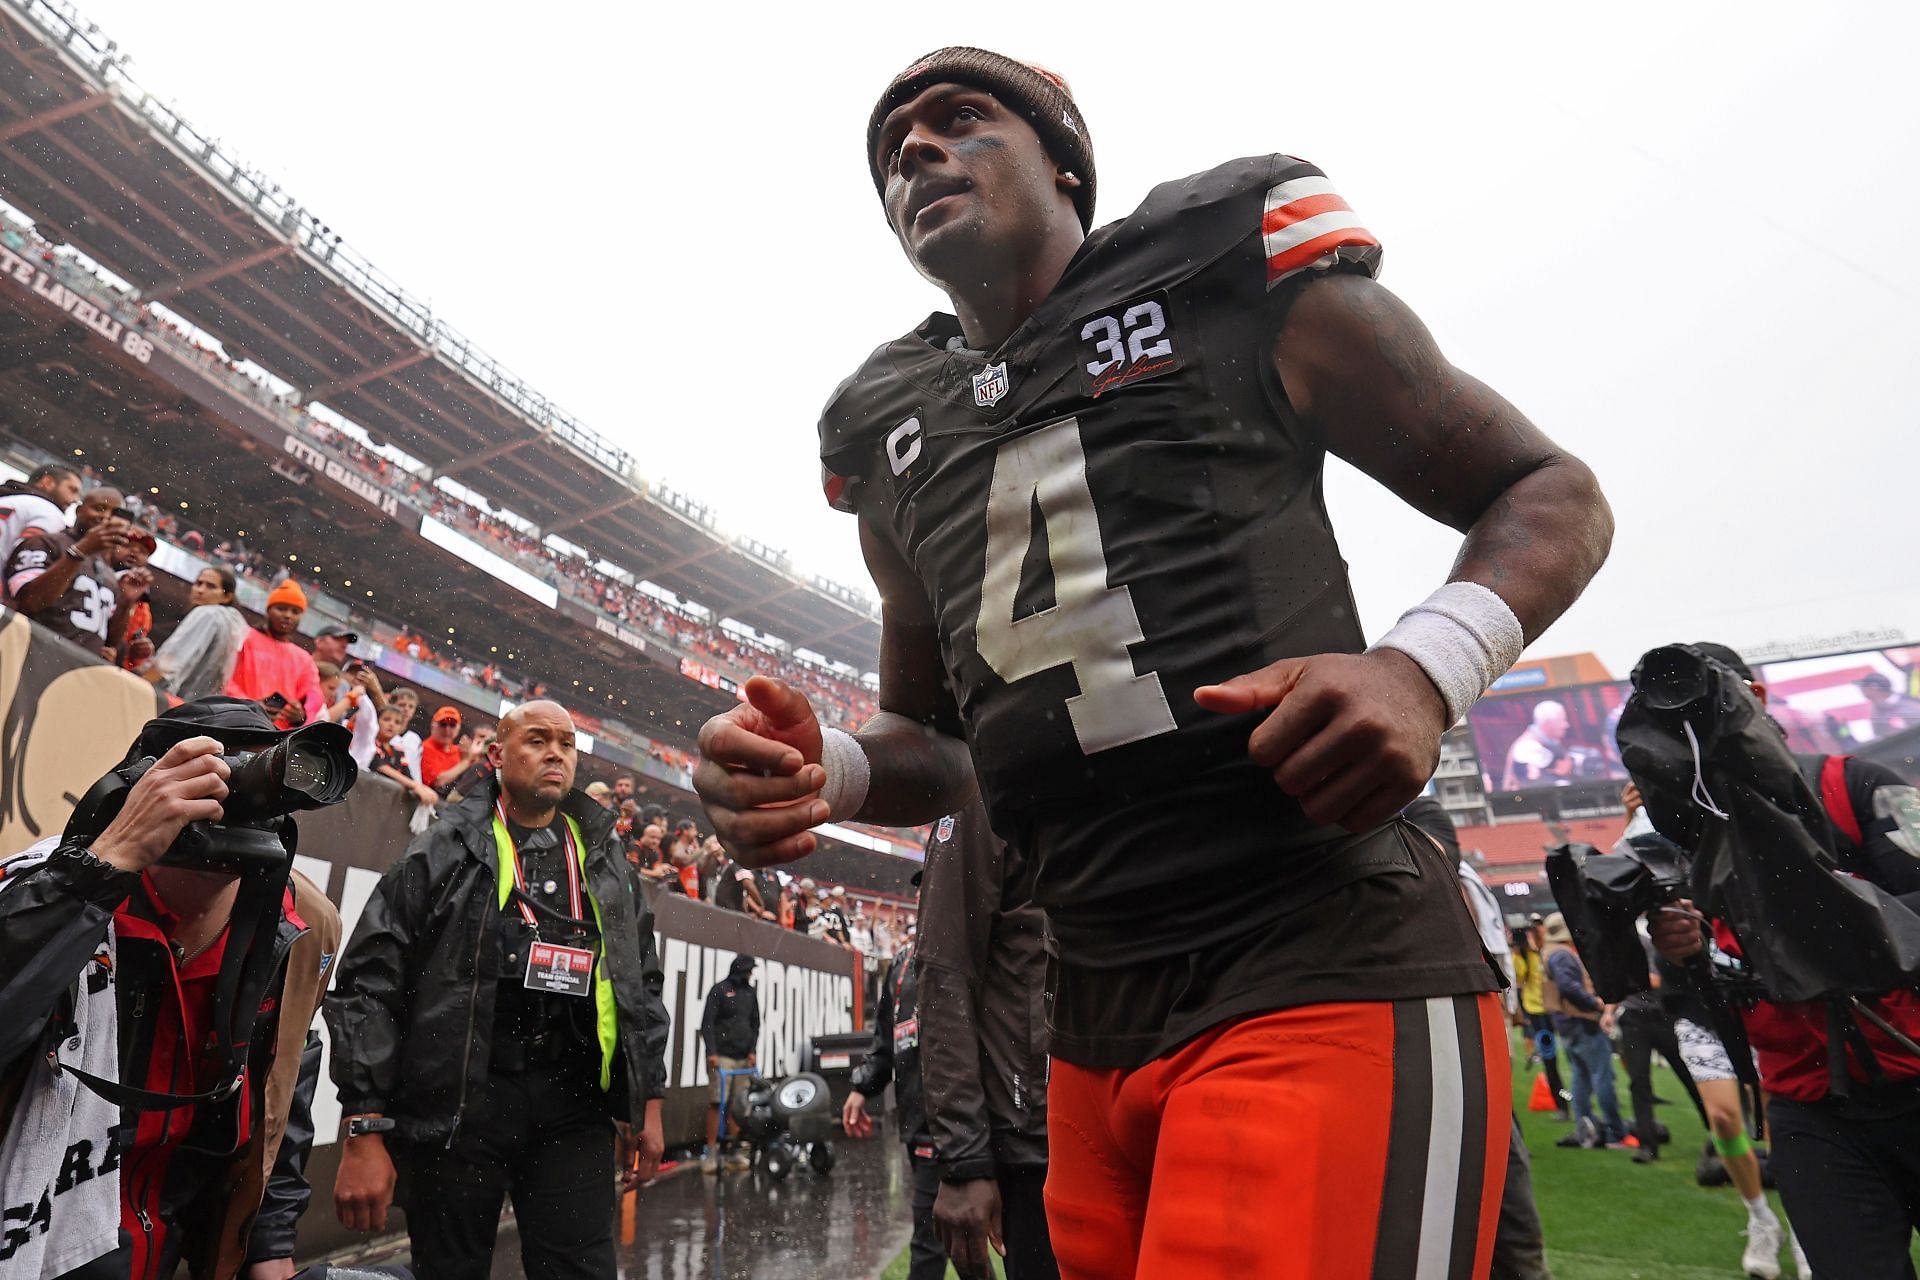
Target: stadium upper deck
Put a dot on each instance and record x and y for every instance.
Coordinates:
(101, 164)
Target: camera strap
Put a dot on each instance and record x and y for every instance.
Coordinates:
(245, 970)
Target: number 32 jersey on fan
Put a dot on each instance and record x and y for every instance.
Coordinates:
(1110, 510)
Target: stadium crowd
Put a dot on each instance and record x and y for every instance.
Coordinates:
(686, 627)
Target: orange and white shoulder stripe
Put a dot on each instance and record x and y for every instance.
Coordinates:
(1305, 220)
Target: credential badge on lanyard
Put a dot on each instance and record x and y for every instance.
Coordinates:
(558, 970)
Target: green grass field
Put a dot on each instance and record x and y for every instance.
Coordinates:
(1607, 1218)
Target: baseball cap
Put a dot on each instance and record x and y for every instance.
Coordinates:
(838, 891)
(333, 629)
(1557, 930)
(446, 714)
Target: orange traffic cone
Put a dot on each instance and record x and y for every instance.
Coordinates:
(1542, 1099)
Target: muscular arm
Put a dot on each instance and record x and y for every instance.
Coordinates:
(920, 767)
(1360, 368)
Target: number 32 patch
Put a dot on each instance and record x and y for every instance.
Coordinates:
(1125, 344)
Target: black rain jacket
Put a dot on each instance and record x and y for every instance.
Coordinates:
(894, 1054)
(730, 1023)
(411, 1012)
(982, 967)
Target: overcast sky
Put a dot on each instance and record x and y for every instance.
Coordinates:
(1680, 237)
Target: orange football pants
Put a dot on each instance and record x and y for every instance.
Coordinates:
(1363, 1141)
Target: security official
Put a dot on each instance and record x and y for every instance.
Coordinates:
(497, 1024)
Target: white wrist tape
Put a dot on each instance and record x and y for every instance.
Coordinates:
(848, 773)
(1464, 637)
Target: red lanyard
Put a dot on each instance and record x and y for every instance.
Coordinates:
(520, 878)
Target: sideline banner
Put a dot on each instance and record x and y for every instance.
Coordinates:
(66, 718)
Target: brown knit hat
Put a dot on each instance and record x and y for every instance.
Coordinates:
(1039, 95)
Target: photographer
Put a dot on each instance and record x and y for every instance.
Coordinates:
(1848, 1167)
(114, 962)
(497, 1020)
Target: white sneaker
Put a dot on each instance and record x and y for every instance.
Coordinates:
(708, 1163)
(1761, 1259)
(1800, 1262)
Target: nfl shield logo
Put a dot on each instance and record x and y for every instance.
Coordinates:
(944, 832)
(990, 385)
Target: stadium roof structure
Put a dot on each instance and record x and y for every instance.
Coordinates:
(101, 164)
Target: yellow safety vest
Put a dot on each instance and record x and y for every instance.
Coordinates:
(606, 1017)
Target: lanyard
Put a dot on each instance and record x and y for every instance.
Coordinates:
(573, 861)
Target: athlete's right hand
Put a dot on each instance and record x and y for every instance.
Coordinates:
(185, 785)
(759, 775)
(363, 1188)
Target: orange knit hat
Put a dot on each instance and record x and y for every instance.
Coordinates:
(288, 592)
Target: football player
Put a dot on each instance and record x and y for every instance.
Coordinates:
(1091, 500)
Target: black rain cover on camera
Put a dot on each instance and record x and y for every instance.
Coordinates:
(1597, 893)
(1717, 778)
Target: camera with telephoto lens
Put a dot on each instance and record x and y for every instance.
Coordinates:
(1602, 895)
(308, 768)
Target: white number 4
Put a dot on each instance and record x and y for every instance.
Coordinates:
(1091, 623)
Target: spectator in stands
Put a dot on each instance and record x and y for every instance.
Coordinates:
(274, 671)
(64, 579)
(860, 931)
(40, 503)
(408, 702)
(684, 853)
(730, 1028)
(735, 888)
(600, 793)
(366, 700)
(785, 910)
(882, 931)
(471, 771)
(136, 645)
(1584, 1023)
(655, 867)
(197, 659)
(335, 702)
(330, 644)
(442, 750)
(626, 820)
(712, 866)
(766, 883)
(391, 762)
(806, 906)
(623, 789)
(831, 924)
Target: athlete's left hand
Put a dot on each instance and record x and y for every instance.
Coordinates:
(966, 1216)
(1353, 737)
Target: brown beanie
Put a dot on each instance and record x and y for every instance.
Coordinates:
(1040, 96)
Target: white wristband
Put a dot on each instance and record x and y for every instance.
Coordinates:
(1464, 637)
(848, 773)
